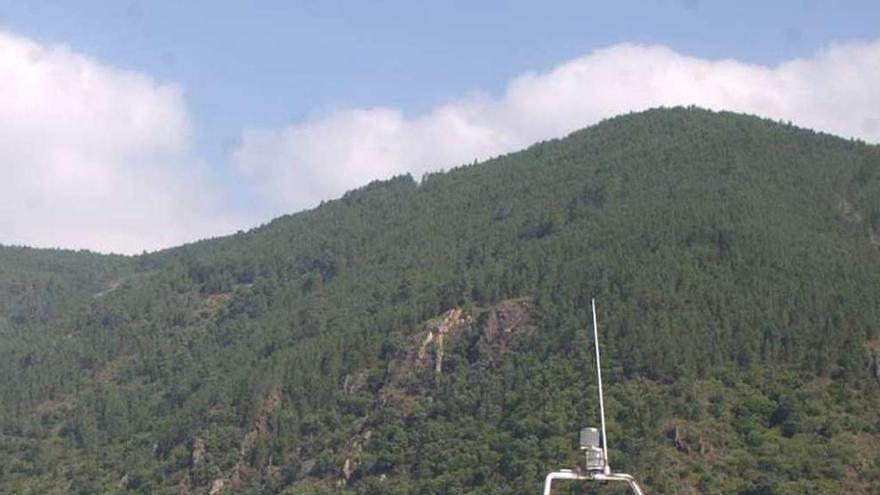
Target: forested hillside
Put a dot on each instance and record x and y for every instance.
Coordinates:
(431, 337)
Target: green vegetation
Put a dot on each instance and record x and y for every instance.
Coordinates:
(736, 262)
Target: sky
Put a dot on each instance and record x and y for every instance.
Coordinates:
(140, 125)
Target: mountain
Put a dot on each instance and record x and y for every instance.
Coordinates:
(432, 337)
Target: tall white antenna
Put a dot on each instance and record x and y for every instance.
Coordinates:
(607, 468)
(596, 460)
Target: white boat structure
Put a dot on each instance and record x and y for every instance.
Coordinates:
(596, 466)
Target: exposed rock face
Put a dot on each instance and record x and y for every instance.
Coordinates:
(452, 322)
(215, 302)
(506, 320)
(183, 487)
(497, 326)
(851, 214)
(678, 439)
(354, 453)
(496, 329)
(198, 453)
(260, 430)
(216, 487)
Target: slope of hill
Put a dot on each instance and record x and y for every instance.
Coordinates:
(39, 285)
(430, 337)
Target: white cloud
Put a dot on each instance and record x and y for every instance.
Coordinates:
(95, 157)
(836, 90)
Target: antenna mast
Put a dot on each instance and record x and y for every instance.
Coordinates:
(607, 468)
(596, 459)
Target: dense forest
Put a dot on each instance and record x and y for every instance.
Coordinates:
(432, 336)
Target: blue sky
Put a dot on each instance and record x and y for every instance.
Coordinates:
(260, 80)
